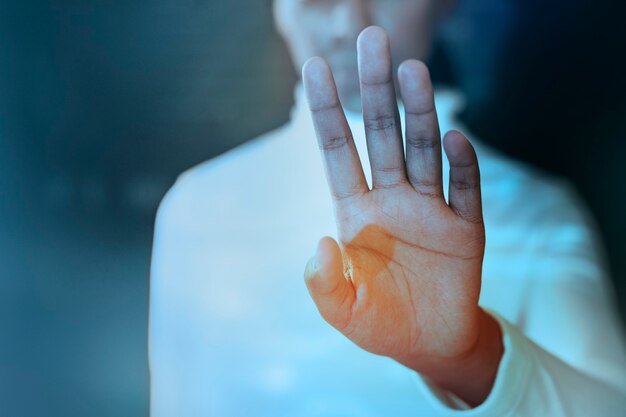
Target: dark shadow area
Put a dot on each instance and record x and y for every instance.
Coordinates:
(558, 101)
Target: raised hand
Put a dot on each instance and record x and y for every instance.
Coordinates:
(404, 279)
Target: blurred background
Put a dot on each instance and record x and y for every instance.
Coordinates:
(104, 103)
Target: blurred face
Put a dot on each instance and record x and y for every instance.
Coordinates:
(329, 29)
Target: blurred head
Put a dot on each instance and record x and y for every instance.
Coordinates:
(330, 28)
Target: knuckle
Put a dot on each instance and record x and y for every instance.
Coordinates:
(380, 123)
(421, 110)
(399, 170)
(323, 108)
(343, 195)
(425, 187)
(423, 183)
(334, 142)
(465, 184)
(469, 216)
(390, 183)
(421, 142)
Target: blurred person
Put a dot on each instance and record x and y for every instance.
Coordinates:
(488, 299)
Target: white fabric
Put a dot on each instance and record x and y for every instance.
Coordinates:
(233, 331)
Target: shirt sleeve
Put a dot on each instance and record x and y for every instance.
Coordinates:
(532, 382)
(565, 356)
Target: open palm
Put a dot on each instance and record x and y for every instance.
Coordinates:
(404, 279)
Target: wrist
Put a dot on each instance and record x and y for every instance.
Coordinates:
(469, 376)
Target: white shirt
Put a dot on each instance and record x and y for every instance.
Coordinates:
(234, 332)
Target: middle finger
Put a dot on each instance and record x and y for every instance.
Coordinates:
(380, 109)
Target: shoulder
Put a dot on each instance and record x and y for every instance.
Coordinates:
(209, 186)
(249, 154)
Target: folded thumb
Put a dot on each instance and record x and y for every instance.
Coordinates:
(332, 293)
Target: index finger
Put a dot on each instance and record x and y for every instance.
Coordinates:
(344, 172)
